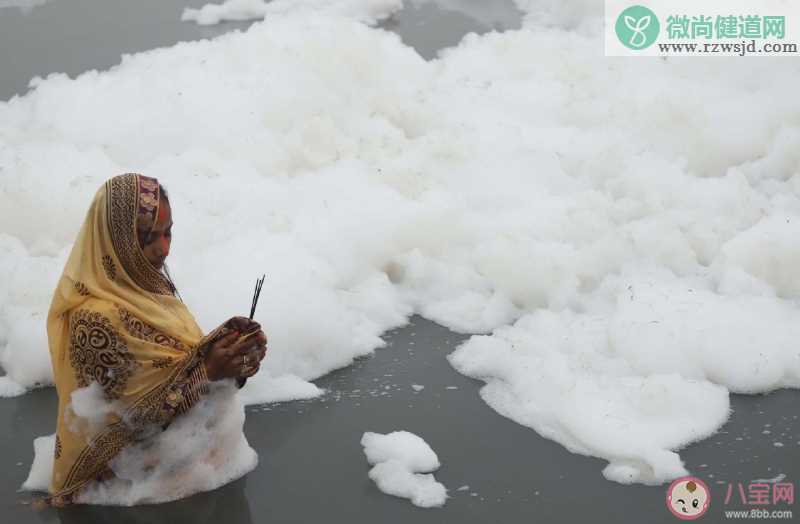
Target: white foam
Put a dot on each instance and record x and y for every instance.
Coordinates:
(42, 465)
(399, 460)
(9, 388)
(199, 451)
(562, 375)
(88, 407)
(368, 11)
(582, 212)
(262, 388)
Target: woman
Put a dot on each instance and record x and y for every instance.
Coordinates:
(115, 322)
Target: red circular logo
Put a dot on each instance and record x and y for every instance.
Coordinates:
(688, 498)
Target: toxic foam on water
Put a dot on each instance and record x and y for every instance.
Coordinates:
(200, 451)
(402, 463)
(626, 253)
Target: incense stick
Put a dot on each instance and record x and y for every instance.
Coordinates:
(256, 294)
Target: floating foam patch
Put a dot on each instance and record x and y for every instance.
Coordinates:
(401, 465)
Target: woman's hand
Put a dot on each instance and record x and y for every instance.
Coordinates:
(257, 350)
(251, 359)
(253, 363)
(242, 324)
(235, 355)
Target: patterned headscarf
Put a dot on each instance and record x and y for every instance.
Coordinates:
(148, 207)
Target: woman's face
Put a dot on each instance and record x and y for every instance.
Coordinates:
(156, 247)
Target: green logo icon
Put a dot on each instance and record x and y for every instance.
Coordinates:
(637, 27)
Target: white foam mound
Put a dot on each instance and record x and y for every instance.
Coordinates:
(88, 407)
(400, 458)
(9, 388)
(552, 373)
(521, 186)
(42, 465)
(367, 11)
(262, 388)
(200, 451)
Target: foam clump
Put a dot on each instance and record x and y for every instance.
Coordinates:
(42, 466)
(400, 462)
(28, 271)
(566, 376)
(199, 451)
(88, 409)
(262, 389)
(9, 388)
(368, 11)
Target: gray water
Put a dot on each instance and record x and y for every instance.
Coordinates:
(312, 468)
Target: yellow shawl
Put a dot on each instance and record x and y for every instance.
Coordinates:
(114, 320)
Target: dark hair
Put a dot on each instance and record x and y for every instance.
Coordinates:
(163, 192)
